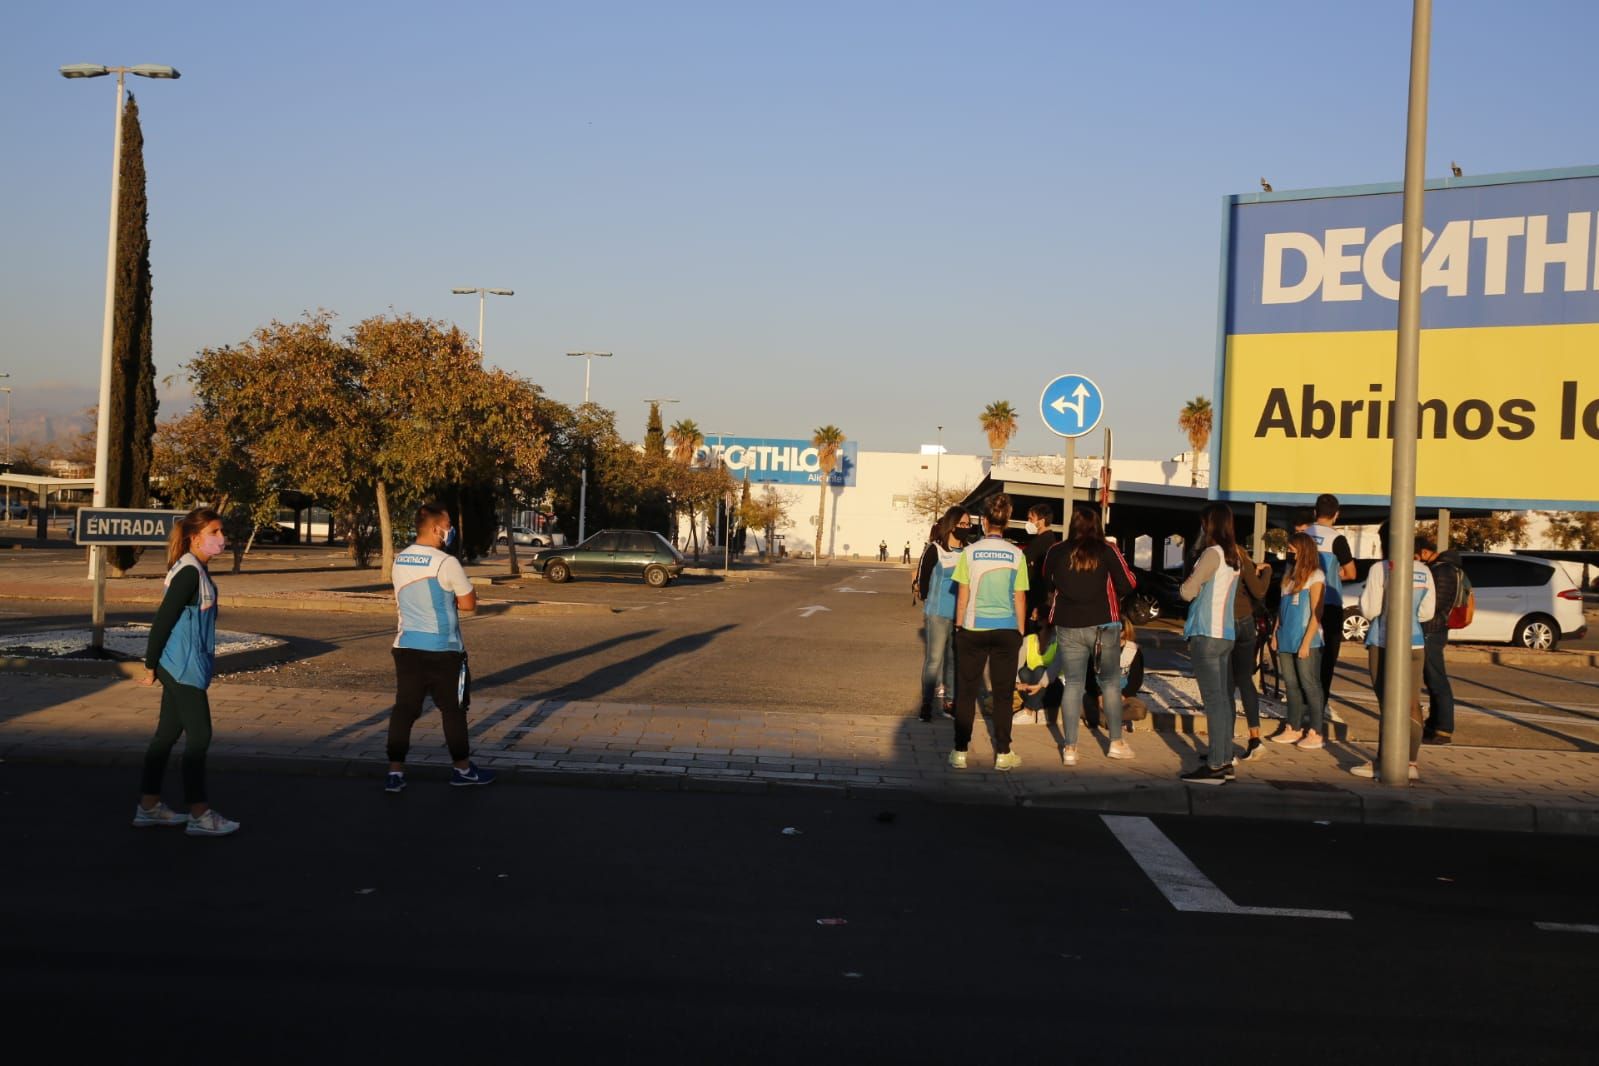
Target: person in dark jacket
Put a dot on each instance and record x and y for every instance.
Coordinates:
(1446, 575)
(1040, 539)
(1088, 579)
(181, 654)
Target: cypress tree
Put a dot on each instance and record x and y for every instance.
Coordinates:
(655, 434)
(653, 512)
(131, 419)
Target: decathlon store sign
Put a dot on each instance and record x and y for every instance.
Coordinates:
(1509, 399)
(785, 462)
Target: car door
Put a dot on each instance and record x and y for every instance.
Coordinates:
(597, 555)
(1499, 599)
(639, 553)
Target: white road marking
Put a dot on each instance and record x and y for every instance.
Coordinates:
(1563, 927)
(1180, 881)
(806, 612)
(860, 592)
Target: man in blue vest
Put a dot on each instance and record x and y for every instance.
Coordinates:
(1337, 566)
(430, 590)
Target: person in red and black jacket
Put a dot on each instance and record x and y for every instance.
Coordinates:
(1088, 578)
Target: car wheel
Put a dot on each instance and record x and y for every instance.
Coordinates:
(1356, 625)
(1538, 632)
(656, 577)
(557, 572)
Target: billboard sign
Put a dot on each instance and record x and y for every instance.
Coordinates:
(1509, 388)
(769, 460)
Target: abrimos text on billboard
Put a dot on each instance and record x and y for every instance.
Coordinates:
(1509, 391)
(785, 462)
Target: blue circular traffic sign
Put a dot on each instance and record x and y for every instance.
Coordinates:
(1072, 405)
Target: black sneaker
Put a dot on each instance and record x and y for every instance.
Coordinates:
(1204, 775)
(1254, 751)
(925, 714)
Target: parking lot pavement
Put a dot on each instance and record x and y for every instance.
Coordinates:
(619, 926)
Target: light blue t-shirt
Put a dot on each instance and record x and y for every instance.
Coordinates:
(426, 582)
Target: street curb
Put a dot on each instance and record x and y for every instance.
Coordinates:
(133, 669)
(1244, 801)
(342, 604)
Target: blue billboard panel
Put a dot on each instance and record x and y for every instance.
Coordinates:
(766, 460)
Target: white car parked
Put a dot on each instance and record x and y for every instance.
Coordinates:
(1521, 600)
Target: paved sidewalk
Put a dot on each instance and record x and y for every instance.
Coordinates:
(103, 721)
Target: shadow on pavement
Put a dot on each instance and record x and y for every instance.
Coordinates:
(616, 674)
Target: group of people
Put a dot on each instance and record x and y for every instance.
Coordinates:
(1001, 618)
(431, 591)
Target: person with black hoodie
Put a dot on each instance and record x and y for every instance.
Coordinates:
(1446, 575)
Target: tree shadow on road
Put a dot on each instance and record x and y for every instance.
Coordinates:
(614, 675)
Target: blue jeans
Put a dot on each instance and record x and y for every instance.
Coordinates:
(938, 664)
(1441, 696)
(1302, 683)
(1210, 656)
(1076, 646)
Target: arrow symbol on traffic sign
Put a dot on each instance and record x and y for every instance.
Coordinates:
(806, 612)
(1061, 403)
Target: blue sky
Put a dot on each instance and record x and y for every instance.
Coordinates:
(880, 215)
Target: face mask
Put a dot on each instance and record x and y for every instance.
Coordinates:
(449, 538)
(1032, 529)
(212, 544)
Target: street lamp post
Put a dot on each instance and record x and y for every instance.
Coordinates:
(7, 391)
(482, 298)
(102, 446)
(583, 492)
(727, 525)
(938, 477)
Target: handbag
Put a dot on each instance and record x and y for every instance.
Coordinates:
(1464, 609)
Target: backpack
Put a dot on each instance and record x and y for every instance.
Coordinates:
(1464, 609)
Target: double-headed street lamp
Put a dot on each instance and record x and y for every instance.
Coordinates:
(102, 445)
(482, 298)
(583, 492)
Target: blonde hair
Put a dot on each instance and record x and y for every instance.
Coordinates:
(186, 529)
(1307, 559)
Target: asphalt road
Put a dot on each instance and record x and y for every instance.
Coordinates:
(553, 923)
(831, 638)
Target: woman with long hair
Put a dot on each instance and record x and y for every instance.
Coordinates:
(934, 585)
(1088, 578)
(1209, 590)
(1299, 644)
(990, 615)
(181, 654)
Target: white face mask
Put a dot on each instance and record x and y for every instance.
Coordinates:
(1032, 528)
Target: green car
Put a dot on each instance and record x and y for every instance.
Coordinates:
(613, 553)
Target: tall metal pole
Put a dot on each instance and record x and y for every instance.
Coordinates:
(102, 442)
(482, 298)
(1397, 607)
(938, 477)
(1068, 484)
(1104, 489)
(583, 490)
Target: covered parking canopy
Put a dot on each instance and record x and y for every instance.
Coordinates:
(1159, 511)
(42, 488)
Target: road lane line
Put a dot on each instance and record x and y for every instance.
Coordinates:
(1565, 927)
(1182, 883)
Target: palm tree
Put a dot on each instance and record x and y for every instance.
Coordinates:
(999, 422)
(828, 441)
(686, 439)
(1195, 422)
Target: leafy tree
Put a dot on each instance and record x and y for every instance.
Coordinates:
(1574, 529)
(130, 420)
(930, 501)
(1194, 421)
(768, 511)
(1501, 528)
(654, 435)
(999, 423)
(654, 503)
(686, 438)
(828, 441)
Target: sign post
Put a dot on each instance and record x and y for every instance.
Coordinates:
(1071, 407)
(105, 527)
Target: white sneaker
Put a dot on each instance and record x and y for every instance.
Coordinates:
(1369, 769)
(1007, 761)
(1024, 718)
(1120, 750)
(160, 814)
(1068, 757)
(957, 760)
(211, 824)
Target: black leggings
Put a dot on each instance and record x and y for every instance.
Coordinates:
(996, 650)
(444, 676)
(185, 711)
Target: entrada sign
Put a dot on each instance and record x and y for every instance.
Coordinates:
(1509, 388)
(125, 526)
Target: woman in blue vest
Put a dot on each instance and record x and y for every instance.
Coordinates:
(934, 584)
(181, 655)
(1209, 590)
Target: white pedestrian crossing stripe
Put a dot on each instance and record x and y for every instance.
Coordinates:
(1180, 881)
